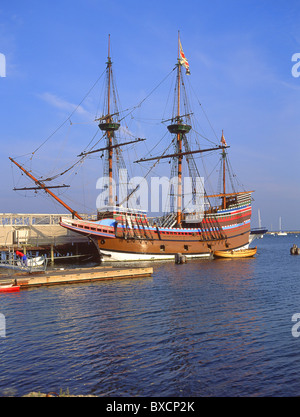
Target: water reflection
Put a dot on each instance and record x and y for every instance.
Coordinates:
(203, 328)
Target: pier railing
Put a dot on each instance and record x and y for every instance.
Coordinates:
(36, 229)
(15, 219)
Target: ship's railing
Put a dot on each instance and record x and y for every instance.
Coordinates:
(120, 209)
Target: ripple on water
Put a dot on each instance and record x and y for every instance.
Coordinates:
(206, 328)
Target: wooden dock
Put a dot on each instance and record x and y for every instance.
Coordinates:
(78, 275)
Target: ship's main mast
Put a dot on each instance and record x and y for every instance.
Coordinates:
(179, 146)
(179, 129)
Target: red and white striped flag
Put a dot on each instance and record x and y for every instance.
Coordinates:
(183, 60)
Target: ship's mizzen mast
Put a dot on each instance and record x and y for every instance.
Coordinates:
(224, 179)
(224, 169)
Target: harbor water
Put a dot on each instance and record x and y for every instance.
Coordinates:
(218, 327)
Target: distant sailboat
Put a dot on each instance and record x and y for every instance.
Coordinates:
(259, 232)
(271, 232)
(281, 233)
(259, 223)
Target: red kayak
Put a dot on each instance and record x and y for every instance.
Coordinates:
(9, 288)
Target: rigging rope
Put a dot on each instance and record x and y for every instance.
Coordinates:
(145, 98)
(69, 117)
(191, 87)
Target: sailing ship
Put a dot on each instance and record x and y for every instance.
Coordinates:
(220, 222)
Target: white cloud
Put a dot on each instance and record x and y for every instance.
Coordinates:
(62, 104)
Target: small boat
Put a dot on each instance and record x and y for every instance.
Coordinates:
(9, 288)
(242, 253)
(37, 261)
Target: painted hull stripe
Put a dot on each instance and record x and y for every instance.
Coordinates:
(89, 232)
(180, 231)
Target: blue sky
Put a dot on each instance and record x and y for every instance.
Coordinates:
(240, 56)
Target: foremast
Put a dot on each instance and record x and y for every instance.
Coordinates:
(109, 126)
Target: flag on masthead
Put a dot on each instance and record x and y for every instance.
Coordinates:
(223, 141)
(183, 61)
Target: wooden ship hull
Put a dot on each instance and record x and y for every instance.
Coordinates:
(128, 236)
(150, 249)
